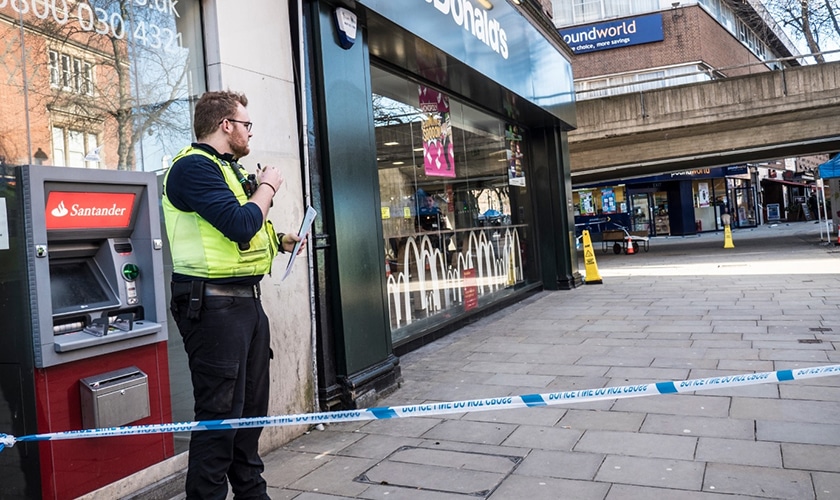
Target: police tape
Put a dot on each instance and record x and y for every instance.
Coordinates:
(429, 409)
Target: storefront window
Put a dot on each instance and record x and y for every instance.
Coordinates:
(744, 213)
(98, 84)
(453, 190)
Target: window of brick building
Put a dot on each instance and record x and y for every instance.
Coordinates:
(118, 75)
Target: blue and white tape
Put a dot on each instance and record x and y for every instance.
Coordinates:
(429, 409)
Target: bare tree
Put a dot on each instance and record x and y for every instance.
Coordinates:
(110, 66)
(813, 21)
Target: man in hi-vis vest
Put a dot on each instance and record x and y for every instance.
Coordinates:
(222, 244)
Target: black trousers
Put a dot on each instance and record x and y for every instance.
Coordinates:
(229, 350)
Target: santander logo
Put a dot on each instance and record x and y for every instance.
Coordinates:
(60, 210)
(88, 210)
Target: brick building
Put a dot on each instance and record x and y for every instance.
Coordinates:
(60, 94)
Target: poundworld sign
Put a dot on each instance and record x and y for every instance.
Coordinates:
(614, 34)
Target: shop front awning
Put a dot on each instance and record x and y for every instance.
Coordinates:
(831, 168)
(789, 183)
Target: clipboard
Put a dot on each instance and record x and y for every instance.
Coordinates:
(305, 226)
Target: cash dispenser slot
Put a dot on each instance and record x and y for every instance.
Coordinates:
(88, 307)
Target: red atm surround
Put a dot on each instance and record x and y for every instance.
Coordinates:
(74, 467)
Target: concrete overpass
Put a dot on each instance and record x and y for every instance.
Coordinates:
(752, 118)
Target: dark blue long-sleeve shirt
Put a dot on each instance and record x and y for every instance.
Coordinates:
(195, 184)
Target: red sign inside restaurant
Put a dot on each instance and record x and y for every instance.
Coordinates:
(470, 290)
(82, 210)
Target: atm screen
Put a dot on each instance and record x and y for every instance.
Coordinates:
(78, 286)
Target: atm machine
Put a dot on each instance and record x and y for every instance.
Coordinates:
(83, 326)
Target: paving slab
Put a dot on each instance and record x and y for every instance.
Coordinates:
(797, 432)
(471, 432)
(678, 404)
(335, 477)
(282, 467)
(632, 492)
(785, 410)
(673, 474)
(377, 447)
(543, 416)
(681, 425)
(764, 482)
(412, 476)
(602, 420)
(388, 492)
(637, 444)
(536, 488)
(739, 451)
(826, 485)
(811, 457)
(544, 438)
(560, 464)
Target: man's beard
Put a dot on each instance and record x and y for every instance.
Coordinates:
(240, 150)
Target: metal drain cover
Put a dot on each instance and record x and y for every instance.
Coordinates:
(475, 475)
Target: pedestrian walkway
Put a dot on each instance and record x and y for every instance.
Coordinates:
(687, 309)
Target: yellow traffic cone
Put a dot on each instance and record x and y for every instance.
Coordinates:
(727, 237)
(592, 275)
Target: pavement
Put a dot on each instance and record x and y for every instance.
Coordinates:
(686, 309)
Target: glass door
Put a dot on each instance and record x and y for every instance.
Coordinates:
(744, 215)
(662, 221)
(640, 204)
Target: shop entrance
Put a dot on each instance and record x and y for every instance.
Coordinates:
(661, 219)
(650, 212)
(640, 203)
(744, 215)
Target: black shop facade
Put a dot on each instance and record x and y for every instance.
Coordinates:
(437, 156)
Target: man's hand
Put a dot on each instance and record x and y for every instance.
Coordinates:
(269, 175)
(272, 179)
(288, 242)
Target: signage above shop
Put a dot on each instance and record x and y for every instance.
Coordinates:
(697, 173)
(614, 34)
(476, 21)
(491, 37)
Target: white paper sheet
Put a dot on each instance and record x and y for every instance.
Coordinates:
(305, 226)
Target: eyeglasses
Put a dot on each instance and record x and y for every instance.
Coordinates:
(248, 125)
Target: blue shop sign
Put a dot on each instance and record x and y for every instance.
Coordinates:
(498, 42)
(614, 34)
(696, 173)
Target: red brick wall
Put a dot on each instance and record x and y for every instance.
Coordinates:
(690, 35)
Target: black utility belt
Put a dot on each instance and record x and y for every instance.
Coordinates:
(213, 290)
